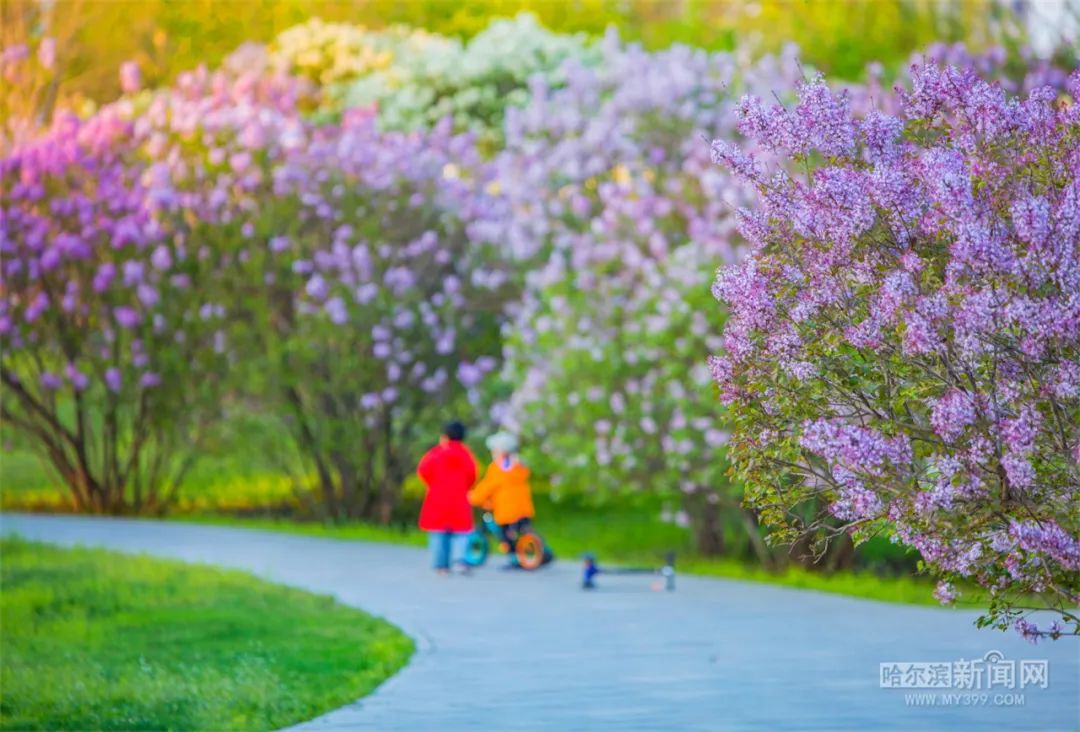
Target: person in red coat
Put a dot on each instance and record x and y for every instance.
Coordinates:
(449, 471)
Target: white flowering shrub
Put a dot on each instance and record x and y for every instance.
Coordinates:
(473, 82)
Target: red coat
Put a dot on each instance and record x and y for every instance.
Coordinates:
(449, 471)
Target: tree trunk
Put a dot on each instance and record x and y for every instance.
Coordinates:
(348, 483)
(310, 446)
(800, 551)
(705, 524)
(841, 555)
(757, 543)
(390, 493)
(392, 477)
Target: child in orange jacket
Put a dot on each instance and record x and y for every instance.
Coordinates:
(504, 489)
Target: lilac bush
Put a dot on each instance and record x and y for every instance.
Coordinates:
(903, 343)
(209, 238)
(617, 202)
(104, 368)
(383, 312)
(356, 306)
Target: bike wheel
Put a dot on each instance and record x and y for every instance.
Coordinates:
(476, 550)
(529, 550)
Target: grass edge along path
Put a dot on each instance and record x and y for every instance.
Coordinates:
(863, 585)
(94, 639)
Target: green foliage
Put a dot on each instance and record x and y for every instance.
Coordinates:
(96, 640)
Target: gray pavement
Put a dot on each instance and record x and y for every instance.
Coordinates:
(517, 651)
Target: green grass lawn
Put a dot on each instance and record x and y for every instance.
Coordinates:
(98, 640)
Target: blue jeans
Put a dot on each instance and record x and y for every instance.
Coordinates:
(447, 547)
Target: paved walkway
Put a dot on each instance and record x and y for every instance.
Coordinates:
(510, 650)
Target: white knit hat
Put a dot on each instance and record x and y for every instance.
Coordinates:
(502, 442)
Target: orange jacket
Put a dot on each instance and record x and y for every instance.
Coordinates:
(505, 489)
